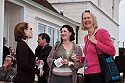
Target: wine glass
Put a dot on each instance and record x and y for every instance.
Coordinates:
(11, 78)
(74, 56)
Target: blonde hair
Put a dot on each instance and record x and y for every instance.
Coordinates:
(10, 56)
(94, 20)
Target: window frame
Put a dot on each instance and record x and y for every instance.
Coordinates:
(49, 25)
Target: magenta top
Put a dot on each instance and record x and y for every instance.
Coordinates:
(104, 43)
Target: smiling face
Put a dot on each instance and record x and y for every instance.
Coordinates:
(8, 61)
(65, 34)
(87, 20)
(41, 41)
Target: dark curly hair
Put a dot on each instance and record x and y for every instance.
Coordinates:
(70, 29)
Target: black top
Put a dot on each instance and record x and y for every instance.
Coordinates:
(7, 75)
(42, 53)
(25, 64)
(120, 61)
(38, 51)
(5, 52)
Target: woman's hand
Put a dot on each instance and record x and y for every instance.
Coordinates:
(41, 72)
(39, 62)
(75, 57)
(64, 61)
(93, 39)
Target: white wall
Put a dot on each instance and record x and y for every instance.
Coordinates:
(106, 22)
(71, 10)
(106, 6)
(30, 13)
(1, 29)
(103, 14)
(30, 16)
(63, 1)
(13, 16)
(74, 11)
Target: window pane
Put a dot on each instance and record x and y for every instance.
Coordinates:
(41, 28)
(53, 36)
(51, 33)
(58, 35)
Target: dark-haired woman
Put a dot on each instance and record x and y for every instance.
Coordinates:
(25, 57)
(62, 53)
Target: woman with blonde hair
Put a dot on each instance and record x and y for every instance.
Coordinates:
(96, 38)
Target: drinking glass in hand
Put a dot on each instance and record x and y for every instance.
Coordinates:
(11, 78)
(74, 56)
(82, 59)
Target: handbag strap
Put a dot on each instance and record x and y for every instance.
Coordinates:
(56, 47)
(96, 49)
(54, 52)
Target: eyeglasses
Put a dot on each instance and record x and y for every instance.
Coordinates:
(31, 29)
(28, 28)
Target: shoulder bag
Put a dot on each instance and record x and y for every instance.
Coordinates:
(108, 67)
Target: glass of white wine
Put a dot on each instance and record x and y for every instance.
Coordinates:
(11, 78)
(75, 56)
